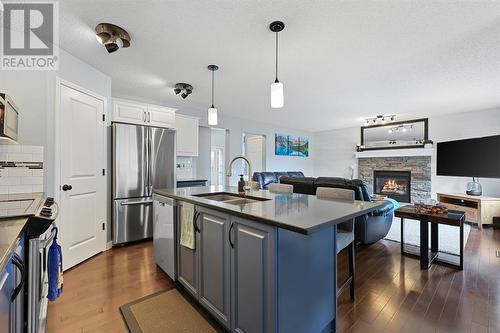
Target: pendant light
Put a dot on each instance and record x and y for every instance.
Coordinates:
(277, 98)
(212, 111)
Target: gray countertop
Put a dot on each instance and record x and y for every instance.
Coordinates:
(301, 213)
(11, 228)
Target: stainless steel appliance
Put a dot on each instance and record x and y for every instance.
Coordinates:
(8, 118)
(39, 237)
(164, 210)
(28, 280)
(143, 159)
(12, 289)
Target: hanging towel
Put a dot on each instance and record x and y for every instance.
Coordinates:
(55, 271)
(187, 228)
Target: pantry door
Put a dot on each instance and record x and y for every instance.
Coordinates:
(82, 187)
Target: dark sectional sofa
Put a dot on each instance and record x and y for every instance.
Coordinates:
(266, 178)
(369, 228)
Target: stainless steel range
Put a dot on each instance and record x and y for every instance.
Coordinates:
(37, 237)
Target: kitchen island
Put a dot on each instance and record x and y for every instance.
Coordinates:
(263, 262)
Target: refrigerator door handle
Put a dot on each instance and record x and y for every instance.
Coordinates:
(136, 203)
(150, 158)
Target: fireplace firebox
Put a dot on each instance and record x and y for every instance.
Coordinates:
(394, 184)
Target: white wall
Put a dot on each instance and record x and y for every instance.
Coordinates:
(238, 126)
(34, 94)
(335, 149)
(335, 152)
(463, 126)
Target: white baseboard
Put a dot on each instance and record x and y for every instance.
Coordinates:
(109, 245)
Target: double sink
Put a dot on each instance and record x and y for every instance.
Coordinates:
(230, 198)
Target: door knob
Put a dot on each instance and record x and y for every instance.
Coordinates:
(67, 187)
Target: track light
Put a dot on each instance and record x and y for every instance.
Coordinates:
(112, 37)
(185, 88)
(383, 119)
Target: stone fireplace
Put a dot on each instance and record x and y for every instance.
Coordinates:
(394, 184)
(396, 173)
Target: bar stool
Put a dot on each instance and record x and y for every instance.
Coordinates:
(280, 188)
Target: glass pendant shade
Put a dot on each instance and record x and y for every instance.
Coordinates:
(212, 116)
(277, 99)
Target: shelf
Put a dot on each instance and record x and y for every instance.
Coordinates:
(408, 152)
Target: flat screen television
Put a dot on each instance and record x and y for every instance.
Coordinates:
(478, 157)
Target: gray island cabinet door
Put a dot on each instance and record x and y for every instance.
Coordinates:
(253, 277)
(214, 268)
(187, 261)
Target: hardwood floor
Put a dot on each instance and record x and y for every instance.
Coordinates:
(393, 294)
(95, 289)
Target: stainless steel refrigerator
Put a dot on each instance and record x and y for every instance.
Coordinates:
(143, 159)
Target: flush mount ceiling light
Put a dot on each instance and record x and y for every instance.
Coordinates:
(277, 98)
(380, 119)
(185, 88)
(112, 36)
(212, 111)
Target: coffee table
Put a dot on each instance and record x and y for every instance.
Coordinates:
(428, 256)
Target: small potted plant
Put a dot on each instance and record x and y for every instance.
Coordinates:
(428, 143)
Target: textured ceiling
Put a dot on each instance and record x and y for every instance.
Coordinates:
(340, 61)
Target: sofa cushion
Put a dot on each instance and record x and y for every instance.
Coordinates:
(268, 178)
(281, 174)
(362, 186)
(295, 173)
(303, 185)
(329, 182)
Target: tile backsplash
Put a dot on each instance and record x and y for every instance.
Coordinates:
(21, 169)
(185, 167)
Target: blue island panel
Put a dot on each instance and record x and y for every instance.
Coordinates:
(306, 281)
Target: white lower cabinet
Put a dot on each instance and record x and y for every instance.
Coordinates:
(231, 273)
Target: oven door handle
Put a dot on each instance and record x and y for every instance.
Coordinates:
(17, 261)
(46, 242)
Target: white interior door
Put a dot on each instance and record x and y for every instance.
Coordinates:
(83, 185)
(255, 146)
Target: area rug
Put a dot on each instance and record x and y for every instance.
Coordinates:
(166, 311)
(448, 235)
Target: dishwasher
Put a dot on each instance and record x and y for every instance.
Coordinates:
(164, 231)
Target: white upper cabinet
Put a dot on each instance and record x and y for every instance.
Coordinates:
(132, 112)
(187, 135)
(161, 116)
(129, 112)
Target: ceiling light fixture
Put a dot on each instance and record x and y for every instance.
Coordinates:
(383, 119)
(185, 88)
(277, 98)
(112, 36)
(212, 111)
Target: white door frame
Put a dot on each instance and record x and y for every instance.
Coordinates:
(57, 143)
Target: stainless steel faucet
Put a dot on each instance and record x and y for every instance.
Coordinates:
(230, 173)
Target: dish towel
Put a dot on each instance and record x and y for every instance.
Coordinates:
(187, 228)
(55, 271)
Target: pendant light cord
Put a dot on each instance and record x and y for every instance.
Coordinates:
(276, 80)
(213, 83)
